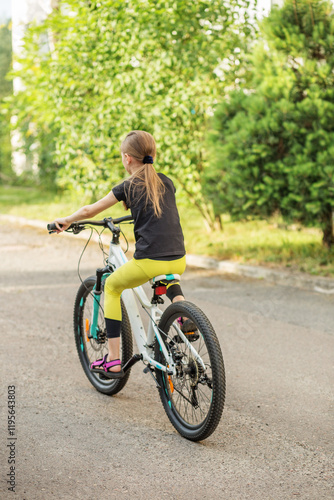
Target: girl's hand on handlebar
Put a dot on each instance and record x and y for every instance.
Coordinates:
(61, 224)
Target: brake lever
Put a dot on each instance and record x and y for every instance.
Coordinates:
(77, 229)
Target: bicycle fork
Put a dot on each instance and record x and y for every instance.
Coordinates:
(97, 292)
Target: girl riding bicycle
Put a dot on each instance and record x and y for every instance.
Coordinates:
(158, 234)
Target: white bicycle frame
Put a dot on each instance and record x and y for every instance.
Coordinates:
(145, 340)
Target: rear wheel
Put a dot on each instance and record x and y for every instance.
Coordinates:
(194, 397)
(90, 350)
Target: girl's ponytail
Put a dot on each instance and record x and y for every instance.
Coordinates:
(154, 188)
(142, 147)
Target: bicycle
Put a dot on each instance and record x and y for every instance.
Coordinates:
(190, 376)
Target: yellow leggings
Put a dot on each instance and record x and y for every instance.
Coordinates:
(135, 273)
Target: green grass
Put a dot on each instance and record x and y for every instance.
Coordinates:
(267, 243)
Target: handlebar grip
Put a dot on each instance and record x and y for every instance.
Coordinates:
(52, 227)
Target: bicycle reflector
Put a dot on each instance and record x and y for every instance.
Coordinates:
(160, 290)
(87, 328)
(171, 385)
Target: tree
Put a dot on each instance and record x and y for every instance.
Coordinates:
(120, 65)
(273, 143)
(5, 90)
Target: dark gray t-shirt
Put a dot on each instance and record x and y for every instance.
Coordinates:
(156, 238)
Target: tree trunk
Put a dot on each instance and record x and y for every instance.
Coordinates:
(218, 224)
(327, 228)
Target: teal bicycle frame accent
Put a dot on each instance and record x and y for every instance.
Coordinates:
(97, 298)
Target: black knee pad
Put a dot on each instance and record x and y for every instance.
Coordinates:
(173, 290)
(113, 328)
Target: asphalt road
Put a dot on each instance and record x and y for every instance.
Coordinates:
(275, 439)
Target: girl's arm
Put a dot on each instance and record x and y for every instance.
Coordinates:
(86, 212)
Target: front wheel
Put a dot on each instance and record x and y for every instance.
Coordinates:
(194, 397)
(90, 349)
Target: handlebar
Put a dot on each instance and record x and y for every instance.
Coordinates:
(79, 226)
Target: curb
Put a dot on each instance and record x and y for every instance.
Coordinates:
(297, 280)
(280, 277)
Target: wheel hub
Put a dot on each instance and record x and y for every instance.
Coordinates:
(101, 339)
(193, 371)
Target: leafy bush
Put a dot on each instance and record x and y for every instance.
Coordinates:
(274, 142)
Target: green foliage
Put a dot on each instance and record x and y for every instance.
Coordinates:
(5, 90)
(274, 141)
(119, 65)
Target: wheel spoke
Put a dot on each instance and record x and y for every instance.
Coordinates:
(183, 396)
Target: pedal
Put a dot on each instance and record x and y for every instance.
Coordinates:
(190, 336)
(135, 358)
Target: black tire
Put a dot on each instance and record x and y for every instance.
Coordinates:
(194, 398)
(91, 350)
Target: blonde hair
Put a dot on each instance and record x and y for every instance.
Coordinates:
(139, 144)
